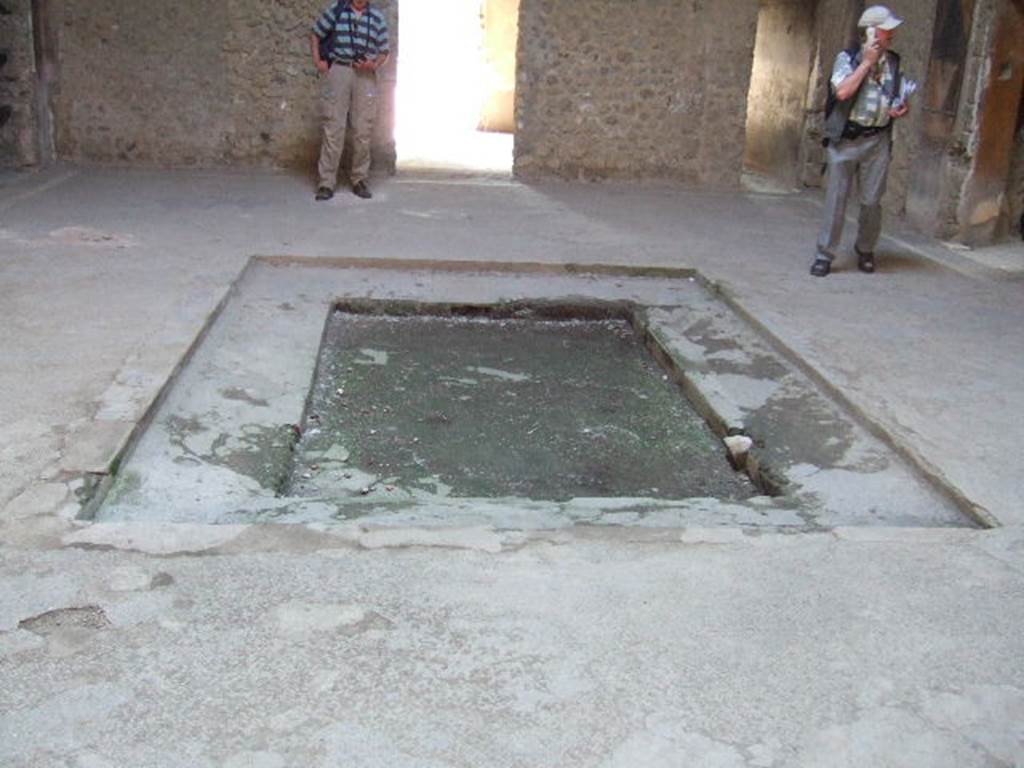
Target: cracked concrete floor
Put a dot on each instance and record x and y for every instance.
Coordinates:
(163, 645)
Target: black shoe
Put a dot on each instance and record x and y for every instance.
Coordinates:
(360, 189)
(865, 262)
(324, 193)
(821, 267)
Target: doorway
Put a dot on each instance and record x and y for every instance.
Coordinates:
(778, 92)
(456, 85)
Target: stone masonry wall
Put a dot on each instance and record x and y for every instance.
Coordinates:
(957, 165)
(202, 82)
(914, 44)
(652, 88)
(834, 22)
(647, 88)
(18, 137)
(988, 179)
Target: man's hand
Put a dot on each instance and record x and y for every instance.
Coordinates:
(371, 65)
(848, 88)
(872, 54)
(899, 111)
(314, 48)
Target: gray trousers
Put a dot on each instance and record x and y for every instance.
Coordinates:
(867, 158)
(347, 96)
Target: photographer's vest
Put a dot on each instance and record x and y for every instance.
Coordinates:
(837, 113)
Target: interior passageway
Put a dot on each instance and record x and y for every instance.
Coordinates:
(455, 91)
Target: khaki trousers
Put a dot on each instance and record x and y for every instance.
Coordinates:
(346, 96)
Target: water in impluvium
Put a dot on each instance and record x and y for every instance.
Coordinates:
(538, 409)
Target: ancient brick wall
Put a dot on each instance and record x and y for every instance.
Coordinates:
(203, 82)
(18, 137)
(647, 88)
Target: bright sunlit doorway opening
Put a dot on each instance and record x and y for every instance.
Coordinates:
(456, 85)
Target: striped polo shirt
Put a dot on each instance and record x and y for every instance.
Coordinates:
(365, 33)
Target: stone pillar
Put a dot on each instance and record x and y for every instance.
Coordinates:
(383, 149)
(19, 144)
(44, 39)
(971, 102)
(835, 24)
(983, 209)
(501, 33)
(1016, 185)
(778, 88)
(943, 107)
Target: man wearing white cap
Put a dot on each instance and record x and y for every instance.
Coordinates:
(867, 92)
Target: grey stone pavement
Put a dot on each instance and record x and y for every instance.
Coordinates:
(151, 644)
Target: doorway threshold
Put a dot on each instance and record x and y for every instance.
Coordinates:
(461, 153)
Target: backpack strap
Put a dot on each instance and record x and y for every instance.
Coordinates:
(327, 42)
(339, 6)
(837, 112)
(854, 53)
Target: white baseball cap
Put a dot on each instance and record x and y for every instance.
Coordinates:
(879, 16)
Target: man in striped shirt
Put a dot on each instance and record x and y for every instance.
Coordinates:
(349, 44)
(866, 86)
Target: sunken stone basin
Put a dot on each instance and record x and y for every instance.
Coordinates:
(503, 407)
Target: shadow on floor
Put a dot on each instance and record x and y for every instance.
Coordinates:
(888, 261)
